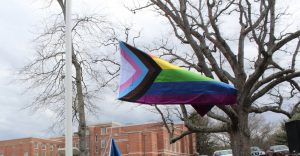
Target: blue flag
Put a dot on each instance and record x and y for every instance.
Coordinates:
(114, 150)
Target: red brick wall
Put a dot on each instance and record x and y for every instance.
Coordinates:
(133, 140)
(18, 147)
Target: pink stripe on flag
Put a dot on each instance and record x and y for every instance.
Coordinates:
(136, 74)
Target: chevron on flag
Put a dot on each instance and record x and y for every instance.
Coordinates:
(147, 79)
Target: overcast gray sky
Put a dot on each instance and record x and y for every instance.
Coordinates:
(18, 20)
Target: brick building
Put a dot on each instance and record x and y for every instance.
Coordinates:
(150, 139)
(29, 147)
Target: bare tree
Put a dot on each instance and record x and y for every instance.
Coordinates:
(259, 59)
(205, 144)
(261, 131)
(46, 71)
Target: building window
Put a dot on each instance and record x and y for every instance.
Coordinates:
(51, 150)
(43, 149)
(174, 147)
(127, 148)
(25, 154)
(96, 138)
(75, 143)
(43, 146)
(36, 152)
(36, 145)
(96, 148)
(102, 143)
(1, 154)
(167, 144)
(103, 130)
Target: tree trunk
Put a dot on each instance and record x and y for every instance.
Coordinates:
(203, 144)
(240, 135)
(80, 108)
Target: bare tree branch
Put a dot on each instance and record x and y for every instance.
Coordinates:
(272, 84)
(275, 109)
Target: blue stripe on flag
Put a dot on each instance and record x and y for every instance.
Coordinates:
(186, 88)
(114, 150)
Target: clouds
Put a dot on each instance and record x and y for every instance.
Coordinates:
(15, 121)
(18, 20)
(112, 109)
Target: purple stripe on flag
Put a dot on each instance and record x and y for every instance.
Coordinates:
(205, 99)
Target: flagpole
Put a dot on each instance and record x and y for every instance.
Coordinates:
(68, 83)
(109, 152)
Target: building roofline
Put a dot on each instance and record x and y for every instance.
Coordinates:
(129, 125)
(26, 138)
(112, 123)
(138, 124)
(29, 138)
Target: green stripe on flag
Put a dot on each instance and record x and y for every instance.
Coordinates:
(180, 75)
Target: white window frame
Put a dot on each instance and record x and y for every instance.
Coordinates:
(25, 153)
(44, 153)
(36, 145)
(36, 152)
(44, 146)
(103, 130)
(51, 147)
(103, 143)
(96, 149)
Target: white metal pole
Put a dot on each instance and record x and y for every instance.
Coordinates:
(109, 152)
(68, 83)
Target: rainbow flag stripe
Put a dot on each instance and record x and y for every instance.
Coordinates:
(147, 79)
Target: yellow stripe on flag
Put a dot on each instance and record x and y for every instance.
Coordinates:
(164, 64)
